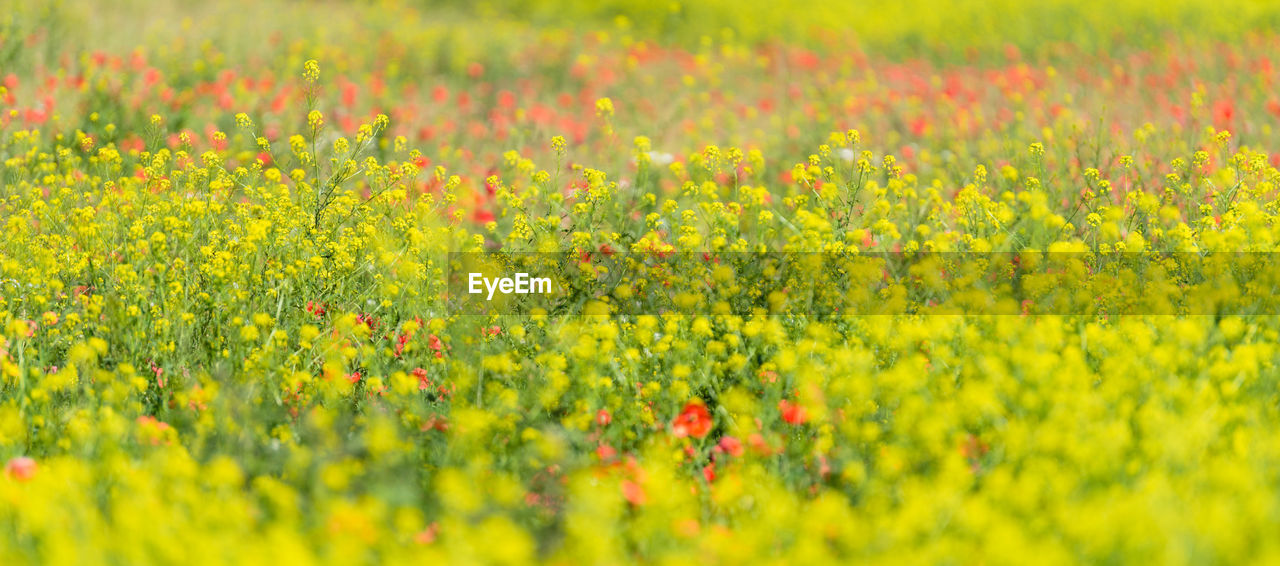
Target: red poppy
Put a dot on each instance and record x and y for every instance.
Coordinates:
(316, 309)
(792, 413)
(632, 492)
(427, 535)
(401, 341)
(709, 472)
(435, 423)
(21, 468)
(1224, 112)
(694, 420)
(603, 418)
(483, 216)
(434, 343)
(731, 445)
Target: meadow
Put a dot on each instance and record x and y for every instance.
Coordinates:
(228, 335)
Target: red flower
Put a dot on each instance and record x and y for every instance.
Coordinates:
(603, 418)
(159, 371)
(427, 535)
(694, 420)
(973, 450)
(21, 468)
(709, 472)
(731, 446)
(368, 321)
(1224, 111)
(792, 413)
(316, 309)
(435, 423)
(632, 492)
(434, 343)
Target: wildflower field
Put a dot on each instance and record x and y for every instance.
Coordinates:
(925, 282)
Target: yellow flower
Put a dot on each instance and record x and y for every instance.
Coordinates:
(311, 71)
(604, 107)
